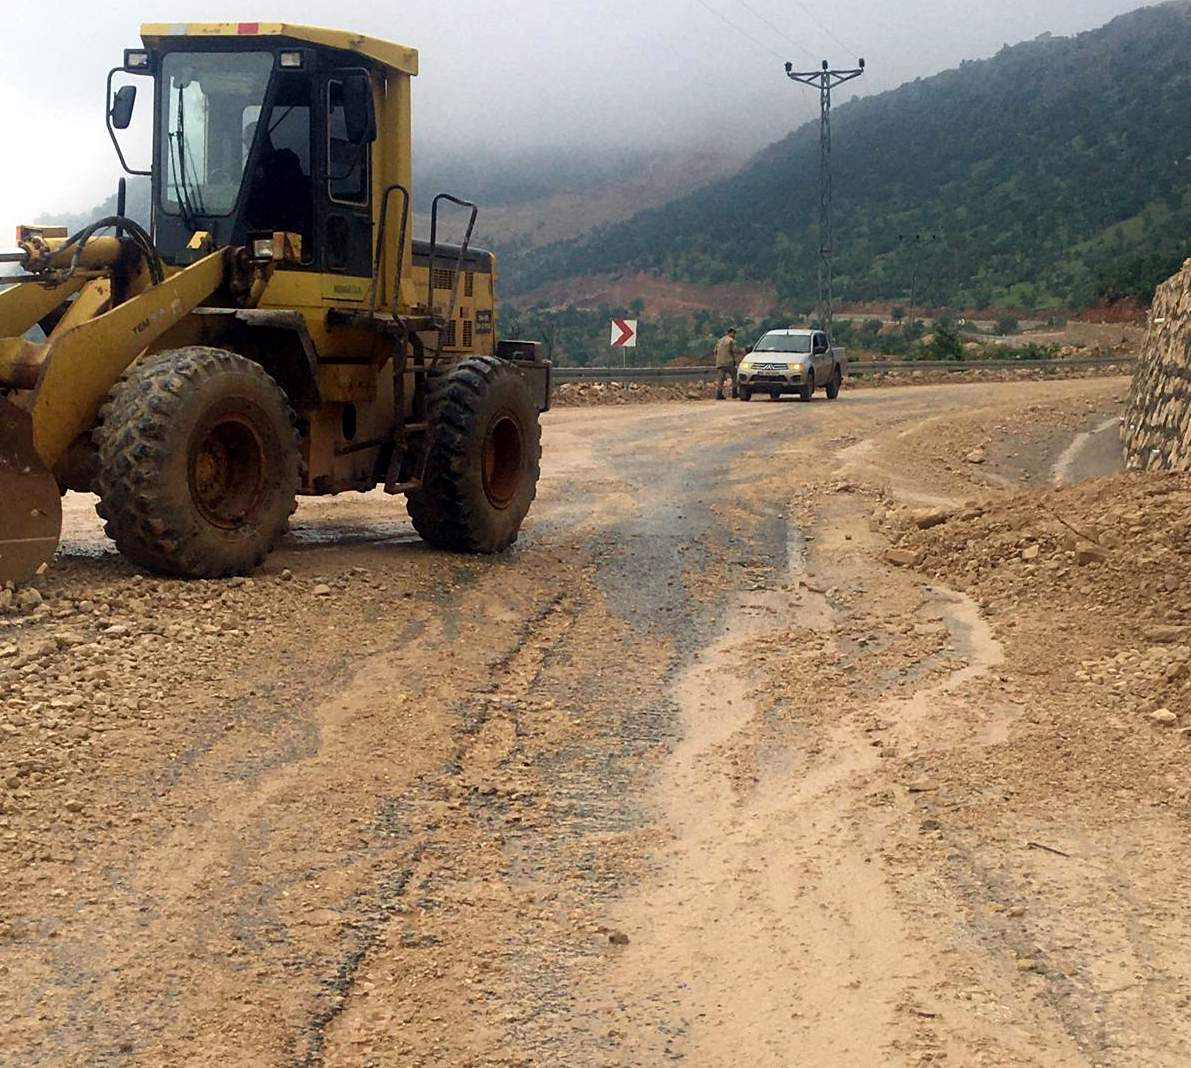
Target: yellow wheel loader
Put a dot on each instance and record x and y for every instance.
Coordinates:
(274, 331)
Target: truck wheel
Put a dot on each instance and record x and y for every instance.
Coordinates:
(807, 390)
(746, 394)
(485, 456)
(837, 380)
(199, 463)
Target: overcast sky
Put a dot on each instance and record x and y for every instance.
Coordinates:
(499, 73)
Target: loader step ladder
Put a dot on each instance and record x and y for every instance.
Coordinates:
(409, 353)
(473, 214)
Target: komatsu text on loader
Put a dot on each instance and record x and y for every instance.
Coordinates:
(275, 331)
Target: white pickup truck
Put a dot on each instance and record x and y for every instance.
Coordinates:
(792, 361)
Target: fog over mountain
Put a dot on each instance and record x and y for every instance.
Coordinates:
(504, 77)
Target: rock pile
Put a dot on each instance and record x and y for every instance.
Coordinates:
(1093, 580)
(592, 394)
(1157, 428)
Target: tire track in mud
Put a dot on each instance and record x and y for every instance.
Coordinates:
(775, 923)
(552, 763)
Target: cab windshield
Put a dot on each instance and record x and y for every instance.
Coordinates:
(784, 343)
(210, 100)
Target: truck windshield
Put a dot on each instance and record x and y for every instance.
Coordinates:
(784, 343)
(209, 100)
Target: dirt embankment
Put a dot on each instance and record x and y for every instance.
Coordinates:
(1107, 562)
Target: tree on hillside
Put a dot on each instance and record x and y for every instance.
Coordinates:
(945, 342)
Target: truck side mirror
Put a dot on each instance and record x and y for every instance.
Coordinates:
(359, 118)
(122, 105)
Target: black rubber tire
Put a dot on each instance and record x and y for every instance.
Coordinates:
(485, 458)
(837, 380)
(746, 394)
(807, 390)
(199, 463)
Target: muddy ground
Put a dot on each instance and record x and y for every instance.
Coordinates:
(773, 742)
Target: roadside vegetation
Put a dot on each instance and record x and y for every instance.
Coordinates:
(579, 337)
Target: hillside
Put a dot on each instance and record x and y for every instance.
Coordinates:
(526, 199)
(532, 199)
(1055, 173)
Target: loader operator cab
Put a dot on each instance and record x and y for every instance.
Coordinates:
(256, 135)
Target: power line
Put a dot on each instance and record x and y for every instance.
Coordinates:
(743, 32)
(776, 29)
(822, 26)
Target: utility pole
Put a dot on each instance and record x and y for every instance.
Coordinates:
(918, 239)
(825, 80)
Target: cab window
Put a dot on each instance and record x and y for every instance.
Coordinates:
(280, 195)
(347, 163)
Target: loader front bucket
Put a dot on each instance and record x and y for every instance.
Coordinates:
(30, 503)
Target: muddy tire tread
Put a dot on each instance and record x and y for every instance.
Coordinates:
(129, 438)
(439, 510)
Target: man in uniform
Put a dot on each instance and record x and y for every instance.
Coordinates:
(725, 363)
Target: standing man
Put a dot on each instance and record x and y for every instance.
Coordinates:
(725, 363)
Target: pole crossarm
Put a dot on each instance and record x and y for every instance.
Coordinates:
(815, 77)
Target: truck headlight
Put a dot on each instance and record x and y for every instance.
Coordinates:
(746, 366)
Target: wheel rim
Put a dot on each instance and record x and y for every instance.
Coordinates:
(227, 468)
(504, 453)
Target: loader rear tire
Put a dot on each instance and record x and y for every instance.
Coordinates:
(484, 461)
(199, 463)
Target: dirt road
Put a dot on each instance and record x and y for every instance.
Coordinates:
(696, 775)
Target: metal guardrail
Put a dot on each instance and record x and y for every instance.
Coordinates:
(663, 375)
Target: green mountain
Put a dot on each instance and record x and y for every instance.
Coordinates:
(1056, 173)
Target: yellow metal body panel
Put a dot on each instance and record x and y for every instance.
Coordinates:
(24, 306)
(398, 57)
(351, 383)
(81, 365)
(340, 288)
(89, 303)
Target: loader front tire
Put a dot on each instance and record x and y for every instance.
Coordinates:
(484, 460)
(199, 463)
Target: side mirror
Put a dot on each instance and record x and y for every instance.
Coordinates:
(122, 105)
(359, 118)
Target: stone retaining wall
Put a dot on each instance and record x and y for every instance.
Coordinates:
(1157, 428)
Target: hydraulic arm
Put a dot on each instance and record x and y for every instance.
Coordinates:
(106, 301)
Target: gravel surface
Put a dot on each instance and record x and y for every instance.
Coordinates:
(825, 734)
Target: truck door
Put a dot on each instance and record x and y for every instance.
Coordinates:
(821, 357)
(347, 194)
